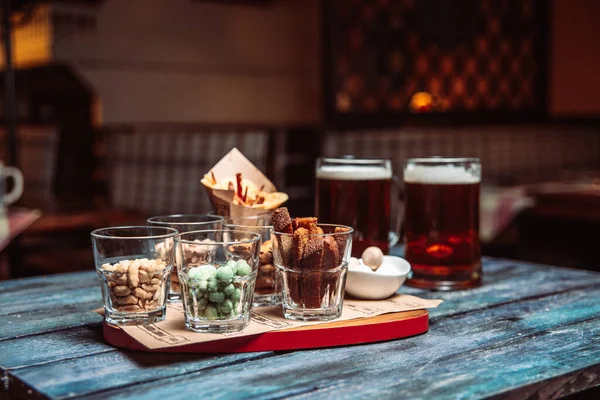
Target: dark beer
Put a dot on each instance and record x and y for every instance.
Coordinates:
(441, 226)
(357, 196)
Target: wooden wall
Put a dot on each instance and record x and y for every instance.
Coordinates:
(190, 61)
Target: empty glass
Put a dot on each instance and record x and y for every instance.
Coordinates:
(217, 272)
(184, 223)
(134, 276)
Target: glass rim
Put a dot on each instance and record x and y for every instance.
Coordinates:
(357, 161)
(155, 221)
(286, 268)
(261, 215)
(98, 233)
(247, 226)
(348, 232)
(439, 160)
(256, 237)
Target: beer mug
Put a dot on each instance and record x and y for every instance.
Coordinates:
(441, 222)
(17, 190)
(358, 193)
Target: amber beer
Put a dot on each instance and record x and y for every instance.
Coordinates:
(441, 222)
(356, 193)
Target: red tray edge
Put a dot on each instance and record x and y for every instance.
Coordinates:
(286, 340)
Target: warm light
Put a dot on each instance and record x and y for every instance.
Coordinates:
(32, 41)
(421, 102)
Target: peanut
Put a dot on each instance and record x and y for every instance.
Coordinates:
(264, 282)
(150, 288)
(266, 269)
(121, 280)
(109, 268)
(131, 308)
(151, 304)
(133, 274)
(127, 300)
(141, 293)
(121, 291)
(122, 267)
(135, 285)
(144, 277)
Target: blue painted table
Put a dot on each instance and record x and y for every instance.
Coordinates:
(529, 331)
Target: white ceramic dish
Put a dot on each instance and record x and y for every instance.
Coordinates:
(381, 284)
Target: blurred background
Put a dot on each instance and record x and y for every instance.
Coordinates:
(114, 110)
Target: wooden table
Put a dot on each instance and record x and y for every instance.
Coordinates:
(531, 330)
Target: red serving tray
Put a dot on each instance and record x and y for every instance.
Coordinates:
(341, 333)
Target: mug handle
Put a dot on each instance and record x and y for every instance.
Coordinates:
(394, 234)
(17, 190)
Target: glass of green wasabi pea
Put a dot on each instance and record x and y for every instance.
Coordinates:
(217, 273)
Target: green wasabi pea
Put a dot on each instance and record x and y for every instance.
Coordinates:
(216, 297)
(232, 264)
(212, 284)
(229, 289)
(194, 273)
(226, 306)
(211, 312)
(202, 303)
(243, 268)
(202, 285)
(206, 271)
(235, 296)
(225, 274)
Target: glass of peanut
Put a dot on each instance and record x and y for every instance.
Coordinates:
(134, 276)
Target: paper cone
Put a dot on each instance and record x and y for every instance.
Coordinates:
(222, 200)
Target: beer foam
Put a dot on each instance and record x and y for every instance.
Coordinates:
(353, 173)
(439, 174)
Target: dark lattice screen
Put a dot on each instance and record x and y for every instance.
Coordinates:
(470, 55)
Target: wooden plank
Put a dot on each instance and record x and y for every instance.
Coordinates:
(476, 374)
(506, 281)
(51, 319)
(32, 306)
(24, 302)
(121, 368)
(449, 359)
(49, 281)
(61, 345)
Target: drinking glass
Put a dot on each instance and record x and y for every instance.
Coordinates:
(184, 223)
(358, 193)
(134, 276)
(267, 291)
(441, 222)
(313, 269)
(217, 273)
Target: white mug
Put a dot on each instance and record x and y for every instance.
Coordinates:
(14, 195)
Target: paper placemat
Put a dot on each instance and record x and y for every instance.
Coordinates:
(172, 331)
